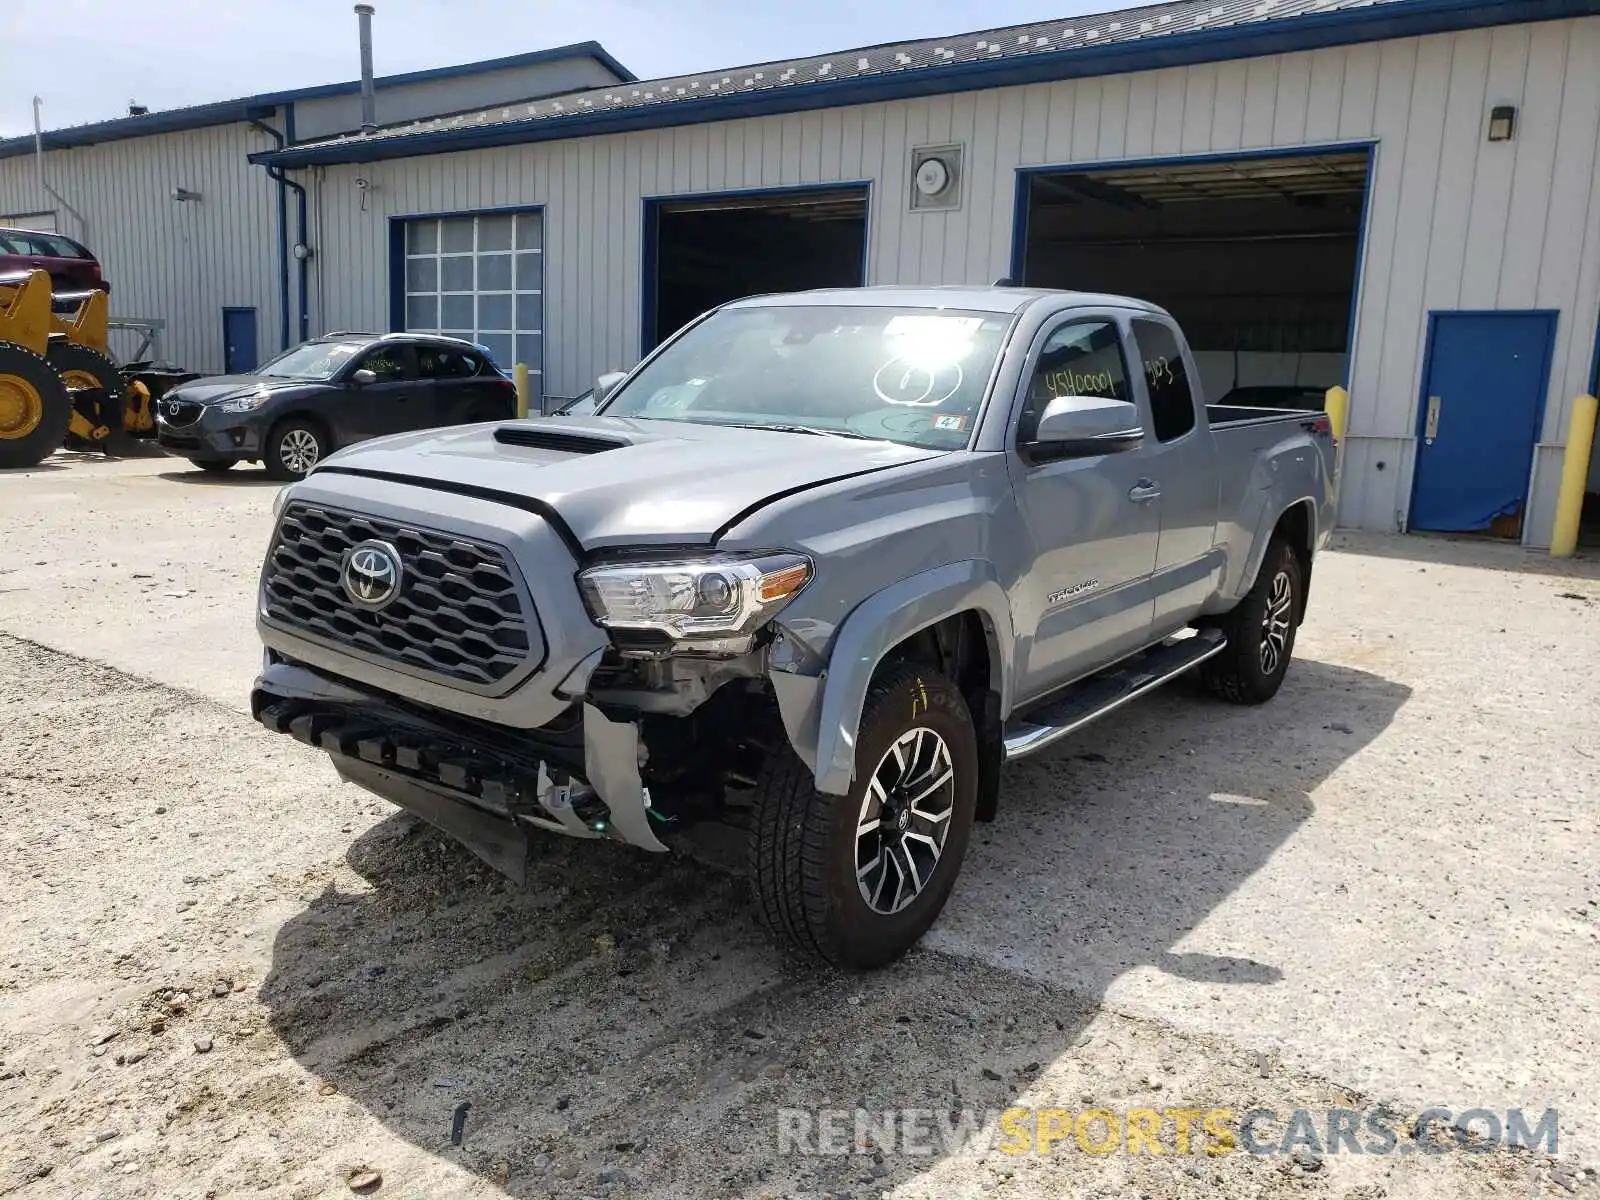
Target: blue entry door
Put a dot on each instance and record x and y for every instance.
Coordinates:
(239, 341)
(1483, 396)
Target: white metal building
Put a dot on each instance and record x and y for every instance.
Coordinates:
(1403, 195)
(222, 257)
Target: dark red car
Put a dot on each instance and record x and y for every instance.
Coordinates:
(72, 268)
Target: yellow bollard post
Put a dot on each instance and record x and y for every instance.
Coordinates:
(1337, 406)
(519, 374)
(1574, 477)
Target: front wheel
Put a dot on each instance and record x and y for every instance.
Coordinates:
(1260, 631)
(854, 881)
(294, 447)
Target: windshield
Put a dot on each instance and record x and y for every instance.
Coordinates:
(314, 360)
(910, 375)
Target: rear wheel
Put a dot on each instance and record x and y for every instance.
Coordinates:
(95, 384)
(855, 880)
(1260, 630)
(215, 466)
(34, 407)
(294, 447)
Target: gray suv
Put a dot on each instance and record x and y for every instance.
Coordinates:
(811, 574)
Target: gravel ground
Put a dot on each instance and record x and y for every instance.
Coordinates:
(223, 972)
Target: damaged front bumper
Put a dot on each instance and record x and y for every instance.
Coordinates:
(490, 787)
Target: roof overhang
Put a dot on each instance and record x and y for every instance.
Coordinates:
(227, 112)
(1376, 22)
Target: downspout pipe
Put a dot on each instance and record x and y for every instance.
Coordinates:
(46, 192)
(276, 174)
(302, 264)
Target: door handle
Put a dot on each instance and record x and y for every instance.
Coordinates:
(1144, 491)
(1431, 428)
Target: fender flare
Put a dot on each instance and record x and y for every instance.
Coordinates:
(1270, 516)
(872, 629)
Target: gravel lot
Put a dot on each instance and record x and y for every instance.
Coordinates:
(222, 972)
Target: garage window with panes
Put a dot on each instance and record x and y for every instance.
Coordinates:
(480, 278)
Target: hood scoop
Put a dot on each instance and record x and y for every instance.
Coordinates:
(565, 440)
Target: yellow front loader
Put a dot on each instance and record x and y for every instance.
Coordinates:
(58, 384)
(35, 407)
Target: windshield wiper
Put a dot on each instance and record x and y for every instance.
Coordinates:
(811, 429)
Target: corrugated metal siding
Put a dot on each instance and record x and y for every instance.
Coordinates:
(1454, 222)
(179, 262)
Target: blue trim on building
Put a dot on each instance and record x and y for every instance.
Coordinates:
(1024, 174)
(397, 250)
(649, 267)
(1400, 18)
(650, 249)
(276, 176)
(1368, 146)
(1361, 265)
(1021, 205)
(226, 112)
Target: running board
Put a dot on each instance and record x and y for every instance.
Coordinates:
(1099, 694)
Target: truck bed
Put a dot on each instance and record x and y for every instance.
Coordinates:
(1221, 415)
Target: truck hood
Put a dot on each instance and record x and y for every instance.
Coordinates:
(217, 388)
(617, 481)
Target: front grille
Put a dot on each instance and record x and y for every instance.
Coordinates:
(179, 413)
(459, 614)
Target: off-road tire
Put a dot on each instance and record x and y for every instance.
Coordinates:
(96, 387)
(272, 449)
(32, 372)
(802, 850)
(1238, 674)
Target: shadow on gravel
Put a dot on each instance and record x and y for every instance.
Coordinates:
(235, 478)
(620, 1026)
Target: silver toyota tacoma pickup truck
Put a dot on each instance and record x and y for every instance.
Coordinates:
(813, 572)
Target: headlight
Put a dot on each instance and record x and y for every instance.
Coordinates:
(240, 404)
(712, 604)
(278, 502)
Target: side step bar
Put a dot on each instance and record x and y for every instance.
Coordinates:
(1097, 695)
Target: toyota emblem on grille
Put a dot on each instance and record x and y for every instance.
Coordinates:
(371, 574)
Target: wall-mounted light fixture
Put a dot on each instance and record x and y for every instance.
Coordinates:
(1502, 123)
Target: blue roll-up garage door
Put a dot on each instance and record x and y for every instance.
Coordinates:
(480, 278)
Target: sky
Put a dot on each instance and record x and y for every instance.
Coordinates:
(88, 58)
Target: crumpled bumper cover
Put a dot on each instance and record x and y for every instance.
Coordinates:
(490, 789)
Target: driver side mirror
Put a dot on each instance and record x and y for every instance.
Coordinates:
(607, 384)
(1086, 426)
(363, 377)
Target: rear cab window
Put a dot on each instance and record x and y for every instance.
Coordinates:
(1166, 378)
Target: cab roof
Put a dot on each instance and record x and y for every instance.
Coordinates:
(972, 299)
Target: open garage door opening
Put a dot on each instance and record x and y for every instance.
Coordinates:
(1255, 257)
(710, 250)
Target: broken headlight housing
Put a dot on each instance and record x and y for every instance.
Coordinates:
(705, 604)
